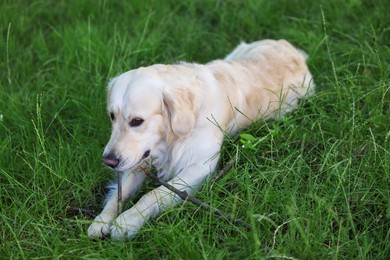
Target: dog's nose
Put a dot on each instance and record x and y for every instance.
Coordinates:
(110, 160)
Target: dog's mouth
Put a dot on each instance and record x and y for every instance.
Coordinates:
(146, 155)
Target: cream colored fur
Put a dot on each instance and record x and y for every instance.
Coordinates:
(185, 107)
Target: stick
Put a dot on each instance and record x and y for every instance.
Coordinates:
(120, 196)
(228, 166)
(80, 210)
(185, 196)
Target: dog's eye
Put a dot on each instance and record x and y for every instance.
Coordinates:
(112, 116)
(136, 122)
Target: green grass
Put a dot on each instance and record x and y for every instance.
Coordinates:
(315, 186)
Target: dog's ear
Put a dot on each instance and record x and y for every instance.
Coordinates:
(110, 84)
(180, 105)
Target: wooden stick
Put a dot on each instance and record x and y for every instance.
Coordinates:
(185, 196)
(80, 210)
(120, 196)
(228, 166)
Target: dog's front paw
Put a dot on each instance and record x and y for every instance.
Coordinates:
(126, 227)
(100, 226)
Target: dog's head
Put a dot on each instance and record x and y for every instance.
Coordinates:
(147, 112)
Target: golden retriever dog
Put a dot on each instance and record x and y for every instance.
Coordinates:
(174, 117)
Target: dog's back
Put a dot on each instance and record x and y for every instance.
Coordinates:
(280, 62)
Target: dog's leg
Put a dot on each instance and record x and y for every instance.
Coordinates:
(189, 179)
(131, 181)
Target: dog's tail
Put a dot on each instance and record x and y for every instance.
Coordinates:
(253, 50)
(267, 50)
(250, 50)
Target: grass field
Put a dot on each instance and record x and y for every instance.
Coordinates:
(315, 186)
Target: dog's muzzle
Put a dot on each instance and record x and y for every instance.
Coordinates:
(112, 161)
